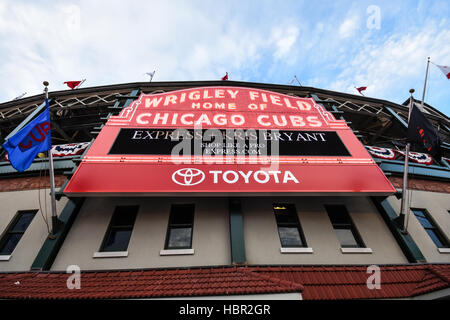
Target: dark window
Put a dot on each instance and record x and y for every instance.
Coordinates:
(343, 226)
(179, 231)
(431, 228)
(15, 231)
(120, 228)
(289, 229)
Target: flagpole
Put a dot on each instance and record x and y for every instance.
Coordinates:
(425, 84)
(79, 85)
(403, 209)
(52, 178)
(150, 75)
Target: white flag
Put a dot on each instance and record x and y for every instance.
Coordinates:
(20, 97)
(151, 74)
(445, 70)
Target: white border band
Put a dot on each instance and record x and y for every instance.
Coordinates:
(174, 252)
(296, 250)
(110, 254)
(356, 250)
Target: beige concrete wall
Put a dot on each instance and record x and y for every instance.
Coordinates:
(211, 232)
(31, 242)
(263, 243)
(210, 235)
(438, 206)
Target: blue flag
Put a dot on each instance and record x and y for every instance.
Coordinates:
(33, 138)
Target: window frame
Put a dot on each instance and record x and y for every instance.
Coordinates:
(112, 227)
(295, 224)
(171, 226)
(435, 228)
(350, 225)
(13, 223)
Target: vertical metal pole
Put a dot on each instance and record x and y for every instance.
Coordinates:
(404, 207)
(52, 192)
(405, 185)
(425, 84)
(52, 178)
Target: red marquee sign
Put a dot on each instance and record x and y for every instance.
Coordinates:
(272, 143)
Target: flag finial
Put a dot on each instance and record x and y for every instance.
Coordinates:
(45, 83)
(411, 91)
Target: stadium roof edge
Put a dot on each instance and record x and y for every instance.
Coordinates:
(201, 83)
(406, 102)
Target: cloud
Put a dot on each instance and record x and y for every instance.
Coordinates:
(181, 40)
(284, 39)
(348, 28)
(392, 67)
(325, 44)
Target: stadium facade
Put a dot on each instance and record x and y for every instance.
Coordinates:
(218, 189)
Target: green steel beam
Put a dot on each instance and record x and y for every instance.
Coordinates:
(335, 109)
(131, 98)
(415, 169)
(445, 126)
(59, 194)
(405, 241)
(41, 164)
(399, 119)
(50, 248)
(445, 145)
(445, 162)
(237, 232)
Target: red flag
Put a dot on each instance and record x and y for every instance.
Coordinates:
(361, 89)
(225, 77)
(72, 84)
(445, 70)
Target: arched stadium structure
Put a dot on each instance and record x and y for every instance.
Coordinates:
(302, 237)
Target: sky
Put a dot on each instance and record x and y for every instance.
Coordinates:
(333, 45)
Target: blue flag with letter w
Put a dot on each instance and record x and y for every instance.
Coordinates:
(33, 138)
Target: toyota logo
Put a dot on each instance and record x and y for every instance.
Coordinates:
(188, 176)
